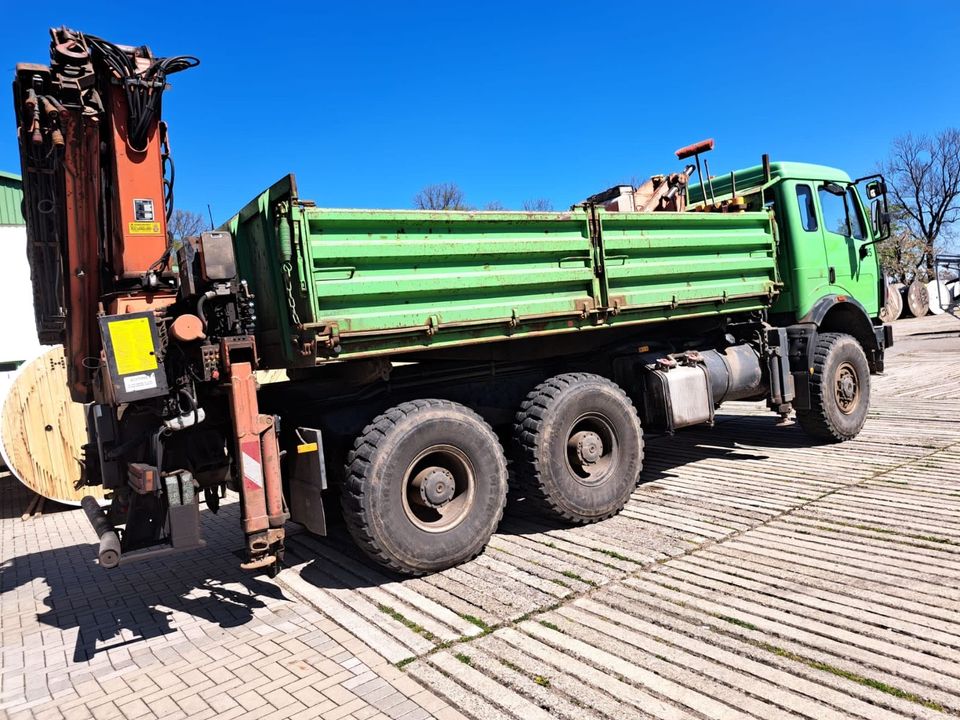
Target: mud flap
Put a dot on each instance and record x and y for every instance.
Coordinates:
(308, 481)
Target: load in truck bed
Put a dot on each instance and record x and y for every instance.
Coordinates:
(344, 283)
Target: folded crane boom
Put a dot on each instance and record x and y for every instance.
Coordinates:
(98, 185)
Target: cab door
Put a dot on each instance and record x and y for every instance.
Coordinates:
(844, 233)
(803, 263)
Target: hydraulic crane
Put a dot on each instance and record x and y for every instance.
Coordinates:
(155, 334)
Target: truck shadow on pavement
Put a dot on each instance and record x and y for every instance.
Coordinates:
(109, 609)
(334, 561)
(132, 604)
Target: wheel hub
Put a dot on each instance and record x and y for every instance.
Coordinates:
(436, 486)
(588, 447)
(847, 388)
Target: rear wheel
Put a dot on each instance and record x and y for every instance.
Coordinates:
(425, 487)
(578, 446)
(839, 389)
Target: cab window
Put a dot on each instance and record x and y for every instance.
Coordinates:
(857, 229)
(834, 212)
(841, 214)
(808, 214)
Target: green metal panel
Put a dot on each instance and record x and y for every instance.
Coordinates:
(669, 259)
(11, 199)
(378, 270)
(259, 262)
(373, 282)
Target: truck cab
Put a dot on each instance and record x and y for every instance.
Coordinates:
(828, 226)
(826, 232)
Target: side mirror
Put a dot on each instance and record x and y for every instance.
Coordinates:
(875, 189)
(880, 219)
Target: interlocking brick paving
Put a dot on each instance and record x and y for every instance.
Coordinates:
(192, 636)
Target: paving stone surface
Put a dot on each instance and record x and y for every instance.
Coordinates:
(192, 637)
(752, 574)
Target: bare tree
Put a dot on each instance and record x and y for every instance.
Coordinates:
(537, 205)
(184, 223)
(440, 196)
(924, 176)
(494, 205)
(902, 255)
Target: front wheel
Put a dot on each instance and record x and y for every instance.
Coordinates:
(839, 389)
(425, 486)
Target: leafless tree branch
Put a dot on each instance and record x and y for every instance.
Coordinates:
(537, 205)
(440, 196)
(184, 223)
(924, 176)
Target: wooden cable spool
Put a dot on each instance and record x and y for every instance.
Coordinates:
(917, 299)
(42, 431)
(893, 306)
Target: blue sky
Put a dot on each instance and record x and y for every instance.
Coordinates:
(367, 102)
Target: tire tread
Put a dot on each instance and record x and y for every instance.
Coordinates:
(815, 421)
(356, 513)
(528, 426)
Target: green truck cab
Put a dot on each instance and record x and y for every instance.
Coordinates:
(828, 227)
(827, 234)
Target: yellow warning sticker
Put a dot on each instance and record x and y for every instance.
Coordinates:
(306, 448)
(132, 343)
(143, 228)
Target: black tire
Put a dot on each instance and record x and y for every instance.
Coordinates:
(425, 487)
(557, 462)
(839, 389)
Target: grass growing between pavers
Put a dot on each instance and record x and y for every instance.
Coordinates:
(880, 685)
(735, 621)
(573, 576)
(538, 679)
(438, 643)
(609, 553)
(408, 623)
(887, 531)
(473, 620)
(855, 677)
(622, 558)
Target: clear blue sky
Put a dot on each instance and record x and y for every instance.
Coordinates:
(367, 102)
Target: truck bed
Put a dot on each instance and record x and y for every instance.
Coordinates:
(365, 283)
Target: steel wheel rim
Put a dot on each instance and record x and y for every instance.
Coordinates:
(592, 449)
(424, 502)
(847, 388)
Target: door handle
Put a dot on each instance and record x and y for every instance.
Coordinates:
(832, 274)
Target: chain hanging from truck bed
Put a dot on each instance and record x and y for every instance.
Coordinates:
(285, 241)
(287, 270)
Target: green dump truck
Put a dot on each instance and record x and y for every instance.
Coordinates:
(427, 348)
(419, 350)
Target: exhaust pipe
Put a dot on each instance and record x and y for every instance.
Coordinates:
(109, 555)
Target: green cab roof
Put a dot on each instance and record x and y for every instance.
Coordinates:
(805, 171)
(752, 177)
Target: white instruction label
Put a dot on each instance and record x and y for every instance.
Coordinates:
(136, 383)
